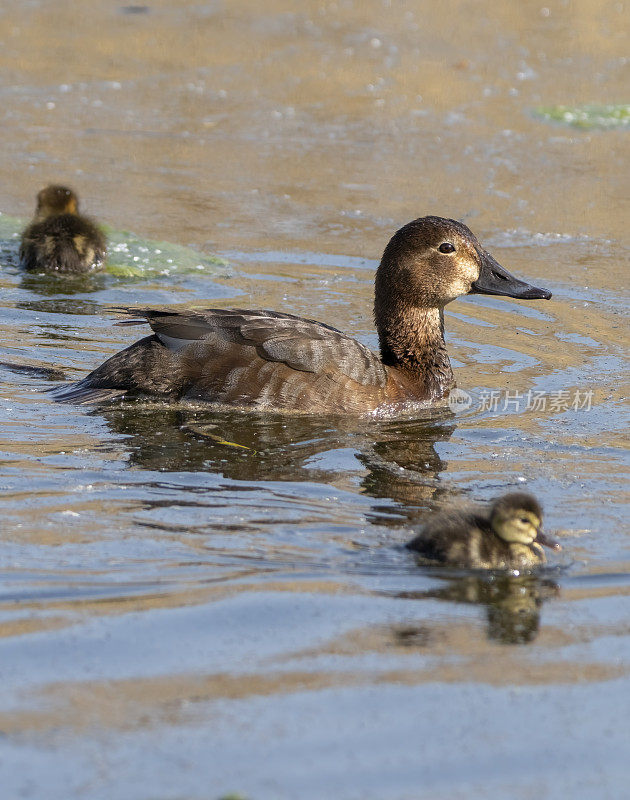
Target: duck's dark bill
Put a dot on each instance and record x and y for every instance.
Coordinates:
(547, 541)
(494, 279)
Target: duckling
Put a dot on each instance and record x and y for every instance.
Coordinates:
(273, 361)
(507, 535)
(59, 239)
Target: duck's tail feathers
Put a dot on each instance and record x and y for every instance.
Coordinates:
(83, 394)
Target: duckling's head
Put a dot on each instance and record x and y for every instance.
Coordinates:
(517, 518)
(433, 260)
(56, 200)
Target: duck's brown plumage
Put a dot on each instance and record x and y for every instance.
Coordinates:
(59, 239)
(274, 361)
(470, 537)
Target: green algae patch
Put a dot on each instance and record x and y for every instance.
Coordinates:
(128, 255)
(10, 230)
(587, 116)
(11, 227)
(232, 797)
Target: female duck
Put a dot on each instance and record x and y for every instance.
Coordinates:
(278, 362)
(59, 239)
(508, 535)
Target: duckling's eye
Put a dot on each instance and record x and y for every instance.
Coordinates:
(524, 520)
(446, 247)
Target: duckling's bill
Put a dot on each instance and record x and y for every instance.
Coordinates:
(495, 279)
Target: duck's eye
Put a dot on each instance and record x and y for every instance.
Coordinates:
(446, 247)
(524, 520)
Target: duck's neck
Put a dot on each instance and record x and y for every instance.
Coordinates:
(412, 340)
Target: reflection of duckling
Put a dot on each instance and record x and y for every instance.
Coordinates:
(512, 603)
(506, 536)
(59, 239)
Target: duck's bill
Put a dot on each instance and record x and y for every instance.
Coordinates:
(547, 541)
(495, 279)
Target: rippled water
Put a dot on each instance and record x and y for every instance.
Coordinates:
(197, 602)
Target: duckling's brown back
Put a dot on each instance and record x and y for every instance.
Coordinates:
(461, 538)
(63, 243)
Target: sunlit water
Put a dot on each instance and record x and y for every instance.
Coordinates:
(197, 602)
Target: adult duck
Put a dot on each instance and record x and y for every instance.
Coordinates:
(59, 239)
(272, 361)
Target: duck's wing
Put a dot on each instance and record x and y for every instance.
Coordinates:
(271, 361)
(255, 358)
(301, 344)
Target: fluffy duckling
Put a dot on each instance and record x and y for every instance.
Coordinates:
(59, 239)
(507, 535)
(270, 361)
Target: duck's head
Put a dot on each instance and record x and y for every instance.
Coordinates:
(56, 200)
(517, 519)
(433, 260)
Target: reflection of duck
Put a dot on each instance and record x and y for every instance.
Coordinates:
(59, 239)
(403, 465)
(274, 447)
(506, 536)
(273, 361)
(512, 604)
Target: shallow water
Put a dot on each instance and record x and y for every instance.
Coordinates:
(197, 602)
